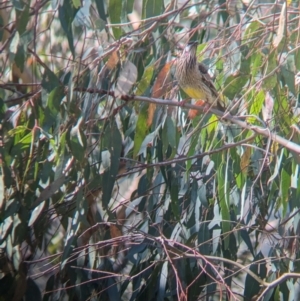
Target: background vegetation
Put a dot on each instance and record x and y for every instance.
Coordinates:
(108, 191)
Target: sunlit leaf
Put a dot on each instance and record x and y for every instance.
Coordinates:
(14, 43)
(281, 27)
(77, 141)
(76, 3)
(234, 84)
(144, 83)
(49, 191)
(251, 33)
(126, 79)
(114, 12)
(257, 105)
(36, 212)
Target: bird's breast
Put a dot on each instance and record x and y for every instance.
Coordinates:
(194, 93)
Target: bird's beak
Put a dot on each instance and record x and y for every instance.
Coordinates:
(190, 46)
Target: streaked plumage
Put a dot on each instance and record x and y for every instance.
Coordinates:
(194, 79)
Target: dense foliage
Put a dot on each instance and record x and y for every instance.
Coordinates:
(108, 191)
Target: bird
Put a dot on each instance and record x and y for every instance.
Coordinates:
(194, 79)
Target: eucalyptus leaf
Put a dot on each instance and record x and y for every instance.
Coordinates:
(126, 79)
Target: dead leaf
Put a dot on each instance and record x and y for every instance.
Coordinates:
(193, 113)
(163, 82)
(162, 86)
(245, 159)
(267, 110)
(113, 60)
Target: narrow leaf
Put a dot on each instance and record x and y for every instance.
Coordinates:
(281, 27)
(66, 13)
(126, 79)
(36, 213)
(114, 12)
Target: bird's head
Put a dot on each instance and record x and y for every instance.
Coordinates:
(188, 57)
(190, 49)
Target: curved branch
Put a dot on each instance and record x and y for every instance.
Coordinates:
(264, 131)
(278, 281)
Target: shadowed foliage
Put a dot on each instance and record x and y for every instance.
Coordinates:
(109, 191)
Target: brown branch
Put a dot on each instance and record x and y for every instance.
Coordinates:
(264, 131)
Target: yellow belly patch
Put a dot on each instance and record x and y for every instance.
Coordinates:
(193, 93)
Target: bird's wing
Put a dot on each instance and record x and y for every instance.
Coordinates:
(209, 83)
(207, 79)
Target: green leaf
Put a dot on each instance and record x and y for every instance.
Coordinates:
(53, 106)
(50, 81)
(66, 13)
(251, 33)
(36, 213)
(297, 58)
(126, 79)
(285, 185)
(168, 135)
(112, 141)
(141, 130)
(2, 186)
(76, 3)
(144, 83)
(204, 238)
(152, 8)
(17, 258)
(216, 240)
(234, 84)
(19, 130)
(32, 290)
(49, 191)
(77, 141)
(22, 143)
(256, 105)
(223, 13)
(246, 238)
(20, 56)
(101, 10)
(22, 17)
(223, 190)
(19, 231)
(174, 190)
(5, 228)
(288, 78)
(114, 12)
(270, 76)
(258, 267)
(256, 63)
(162, 281)
(1, 28)
(49, 288)
(148, 141)
(18, 4)
(13, 47)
